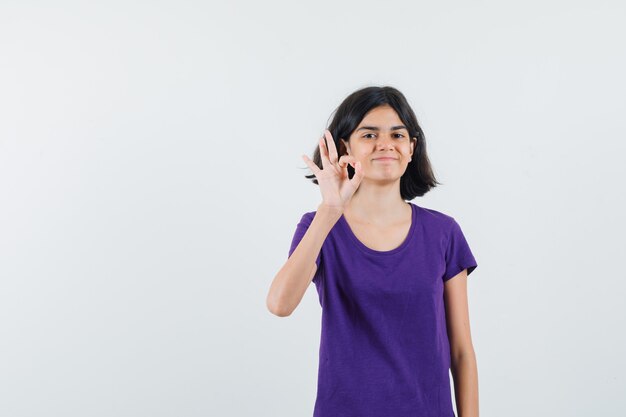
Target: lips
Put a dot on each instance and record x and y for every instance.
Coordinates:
(385, 159)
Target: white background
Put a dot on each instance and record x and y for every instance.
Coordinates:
(151, 182)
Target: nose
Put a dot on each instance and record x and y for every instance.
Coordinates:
(385, 142)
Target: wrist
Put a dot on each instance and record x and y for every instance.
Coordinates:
(330, 213)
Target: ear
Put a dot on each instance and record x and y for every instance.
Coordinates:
(413, 142)
(345, 146)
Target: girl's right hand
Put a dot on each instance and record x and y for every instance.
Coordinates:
(337, 189)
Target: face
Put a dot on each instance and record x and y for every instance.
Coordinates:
(381, 134)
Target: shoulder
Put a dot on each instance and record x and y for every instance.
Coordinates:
(436, 218)
(307, 218)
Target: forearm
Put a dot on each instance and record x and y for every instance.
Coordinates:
(292, 280)
(465, 374)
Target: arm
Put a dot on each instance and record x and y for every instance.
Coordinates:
(292, 280)
(463, 359)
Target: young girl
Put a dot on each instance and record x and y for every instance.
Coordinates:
(391, 275)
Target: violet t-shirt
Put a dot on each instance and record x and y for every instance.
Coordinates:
(384, 349)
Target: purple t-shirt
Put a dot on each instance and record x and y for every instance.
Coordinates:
(384, 348)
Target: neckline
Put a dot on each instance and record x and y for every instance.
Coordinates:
(367, 249)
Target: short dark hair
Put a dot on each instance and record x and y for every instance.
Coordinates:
(418, 178)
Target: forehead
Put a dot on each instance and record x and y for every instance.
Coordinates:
(381, 116)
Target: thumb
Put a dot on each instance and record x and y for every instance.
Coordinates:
(358, 175)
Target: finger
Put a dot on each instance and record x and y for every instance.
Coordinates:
(332, 149)
(312, 166)
(358, 175)
(324, 154)
(347, 159)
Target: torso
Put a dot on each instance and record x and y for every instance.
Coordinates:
(381, 238)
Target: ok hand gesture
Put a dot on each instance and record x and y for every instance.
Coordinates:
(337, 189)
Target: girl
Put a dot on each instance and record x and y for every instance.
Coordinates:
(391, 275)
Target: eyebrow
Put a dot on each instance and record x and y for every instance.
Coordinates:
(400, 127)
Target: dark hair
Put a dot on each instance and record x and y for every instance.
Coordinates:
(418, 178)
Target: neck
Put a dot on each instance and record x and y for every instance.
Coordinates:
(376, 203)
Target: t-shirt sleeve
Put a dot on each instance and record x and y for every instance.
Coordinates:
(301, 229)
(458, 253)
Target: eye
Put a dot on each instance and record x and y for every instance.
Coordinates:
(396, 135)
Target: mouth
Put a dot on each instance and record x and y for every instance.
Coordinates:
(385, 159)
